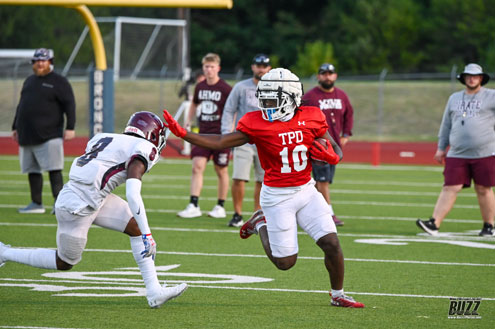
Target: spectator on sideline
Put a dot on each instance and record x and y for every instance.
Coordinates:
(210, 95)
(38, 127)
(285, 133)
(339, 113)
(468, 127)
(110, 160)
(242, 100)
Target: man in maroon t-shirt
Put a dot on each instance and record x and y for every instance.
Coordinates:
(338, 111)
(211, 94)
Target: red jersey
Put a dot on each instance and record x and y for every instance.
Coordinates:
(283, 146)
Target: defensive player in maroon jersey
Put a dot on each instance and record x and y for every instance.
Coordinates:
(284, 133)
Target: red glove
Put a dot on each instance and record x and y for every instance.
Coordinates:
(173, 125)
(318, 152)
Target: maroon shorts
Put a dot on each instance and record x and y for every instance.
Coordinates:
(220, 157)
(461, 171)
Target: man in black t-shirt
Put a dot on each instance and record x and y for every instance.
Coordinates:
(38, 126)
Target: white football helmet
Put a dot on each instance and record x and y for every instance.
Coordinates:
(279, 93)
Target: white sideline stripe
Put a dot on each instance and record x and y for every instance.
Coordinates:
(326, 292)
(236, 231)
(213, 187)
(184, 253)
(446, 236)
(365, 203)
(192, 285)
(343, 166)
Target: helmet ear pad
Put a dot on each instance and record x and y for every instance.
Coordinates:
(147, 125)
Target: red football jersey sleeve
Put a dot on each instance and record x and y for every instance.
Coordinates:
(283, 146)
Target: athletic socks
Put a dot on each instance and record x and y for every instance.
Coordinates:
(146, 265)
(40, 258)
(56, 182)
(36, 186)
(337, 293)
(221, 202)
(194, 200)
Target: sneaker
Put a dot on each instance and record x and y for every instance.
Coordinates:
(487, 230)
(345, 301)
(32, 208)
(191, 211)
(428, 226)
(3, 247)
(337, 221)
(236, 221)
(217, 212)
(165, 294)
(249, 228)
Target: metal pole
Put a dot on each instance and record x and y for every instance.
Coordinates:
(381, 91)
(75, 51)
(116, 49)
(145, 52)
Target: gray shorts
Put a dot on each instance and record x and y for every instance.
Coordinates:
(43, 157)
(244, 156)
(323, 173)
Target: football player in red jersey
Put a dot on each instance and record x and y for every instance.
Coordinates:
(284, 133)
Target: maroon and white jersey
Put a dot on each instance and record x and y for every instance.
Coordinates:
(212, 99)
(94, 175)
(337, 109)
(283, 146)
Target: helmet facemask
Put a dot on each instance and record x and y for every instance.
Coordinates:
(147, 125)
(279, 94)
(275, 104)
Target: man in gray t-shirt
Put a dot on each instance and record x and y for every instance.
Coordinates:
(242, 99)
(468, 127)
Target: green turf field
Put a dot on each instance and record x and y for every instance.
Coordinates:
(405, 278)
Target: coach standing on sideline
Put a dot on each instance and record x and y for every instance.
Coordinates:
(468, 128)
(339, 113)
(38, 127)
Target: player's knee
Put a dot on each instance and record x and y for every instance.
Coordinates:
(286, 263)
(63, 266)
(329, 243)
(132, 228)
(70, 250)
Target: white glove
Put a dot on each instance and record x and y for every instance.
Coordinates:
(149, 246)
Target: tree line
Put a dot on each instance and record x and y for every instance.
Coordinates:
(358, 36)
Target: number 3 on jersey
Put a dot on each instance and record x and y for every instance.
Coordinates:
(98, 147)
(299, 158)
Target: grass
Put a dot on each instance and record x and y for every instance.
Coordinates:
(403, 277)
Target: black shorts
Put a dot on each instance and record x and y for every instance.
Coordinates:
(323, 173)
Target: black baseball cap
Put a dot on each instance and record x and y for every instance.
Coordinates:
(326, 67)
(261, 59)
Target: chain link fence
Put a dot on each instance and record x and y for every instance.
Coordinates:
(388, 107)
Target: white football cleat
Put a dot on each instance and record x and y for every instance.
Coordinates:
(217, 212)
(165, 294)
(191, 211)
(3, 247)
